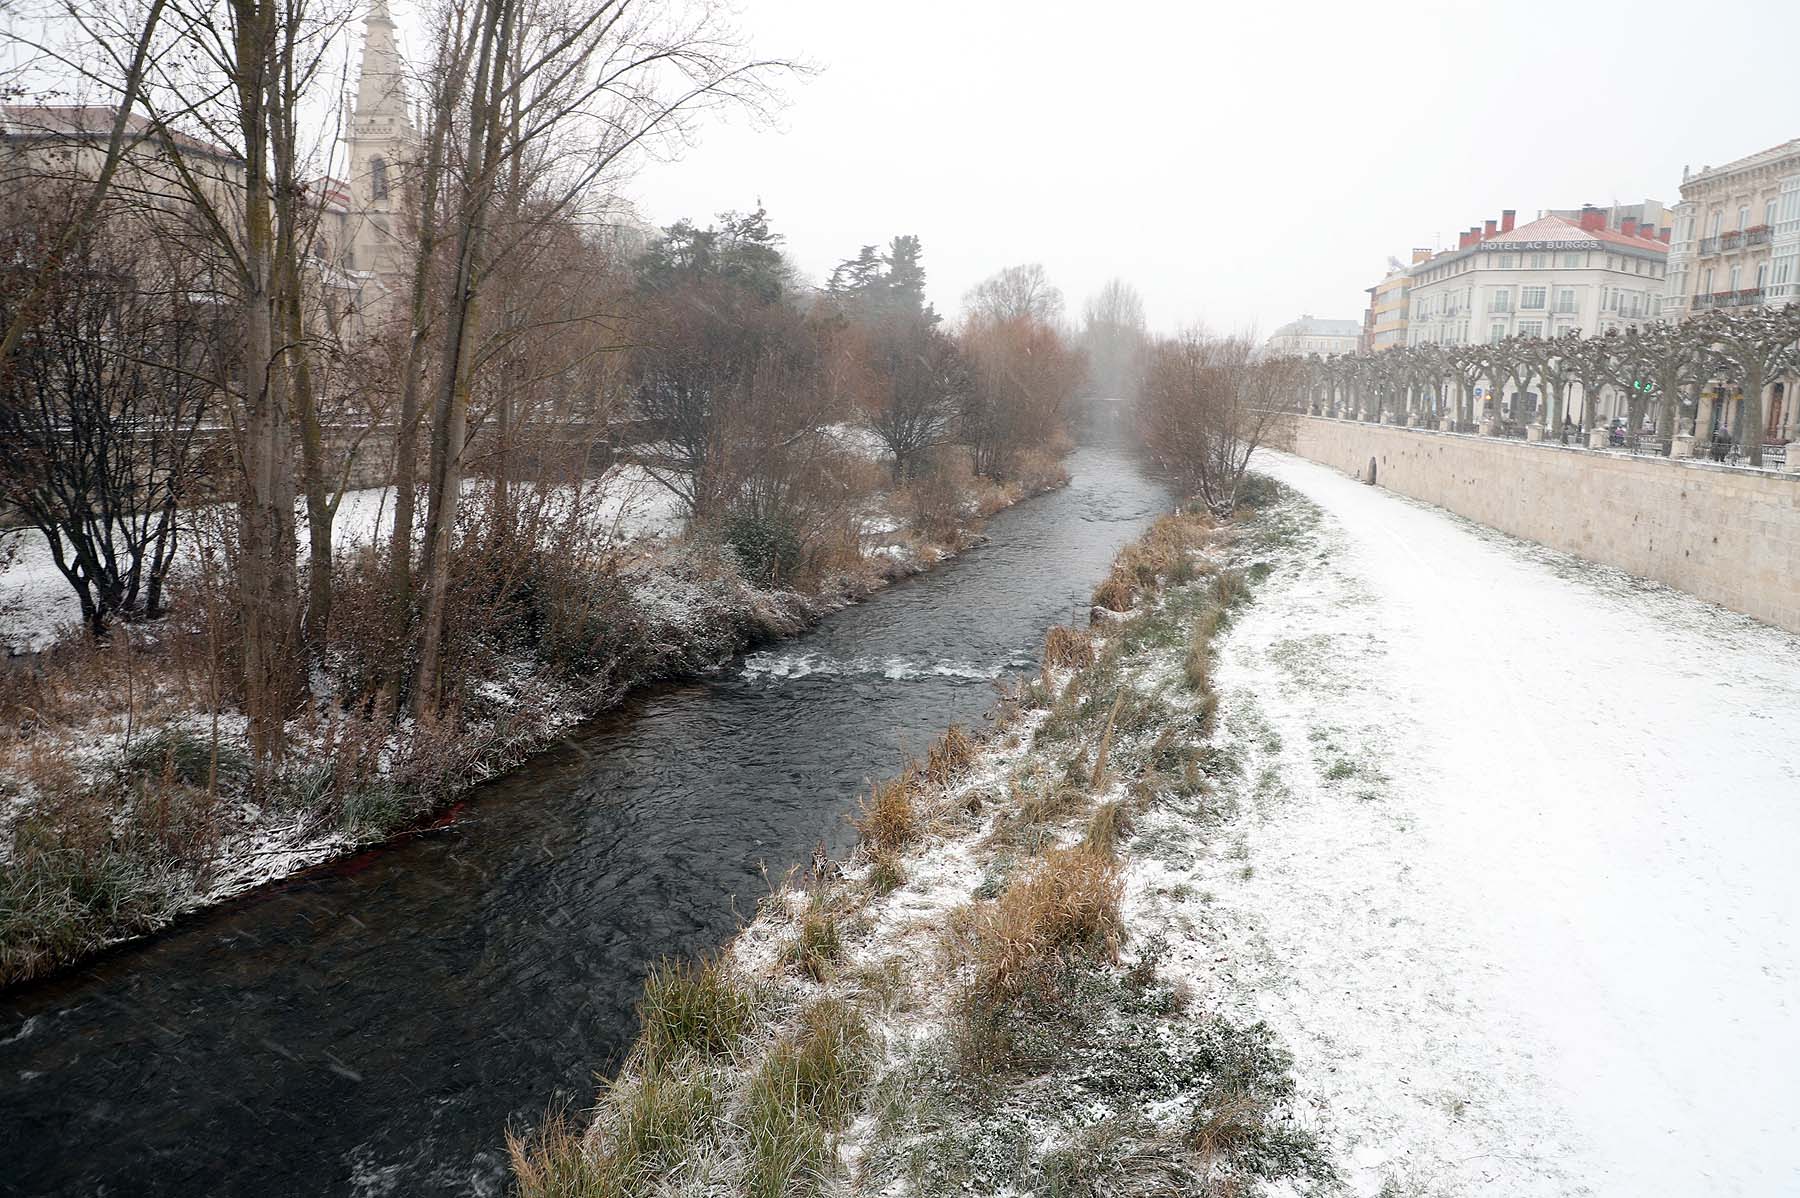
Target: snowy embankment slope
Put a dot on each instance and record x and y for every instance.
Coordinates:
(1520, 889)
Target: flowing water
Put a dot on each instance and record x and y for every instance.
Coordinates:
(372, 1027)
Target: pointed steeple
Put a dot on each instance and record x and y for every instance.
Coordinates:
(381, 83)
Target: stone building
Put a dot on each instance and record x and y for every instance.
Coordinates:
(1311, 335)
(1542, 279)
(1737, 234)
(359, 253)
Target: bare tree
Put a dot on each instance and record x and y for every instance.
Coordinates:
(1114, 337)
(102, 405)
(1209, 403)
(1016, 293)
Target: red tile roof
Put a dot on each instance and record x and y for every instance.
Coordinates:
(1555, 228)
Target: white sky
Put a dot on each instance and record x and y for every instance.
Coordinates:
(1240, 164)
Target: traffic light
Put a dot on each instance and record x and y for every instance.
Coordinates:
(1647, 386)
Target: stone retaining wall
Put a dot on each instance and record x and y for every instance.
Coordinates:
(1726, 534)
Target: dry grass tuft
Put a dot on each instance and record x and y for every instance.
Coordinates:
(1107, 827)
(952, 753)
(1068, 648)
(890, 819)
(1117, 593)
(1068, 903)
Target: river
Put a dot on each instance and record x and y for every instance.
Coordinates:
(371, 1027)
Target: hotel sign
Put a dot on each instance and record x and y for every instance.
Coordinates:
(1513, 247)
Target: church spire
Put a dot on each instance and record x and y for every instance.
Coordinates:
(381, 84)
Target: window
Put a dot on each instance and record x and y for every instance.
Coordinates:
(1565, 300)
(1497, 333)
(1540, 261)
(1506, 261)
(1718, 218)
(1571, 261)
(1531, 297)
(1531, 328)
(1743, 218)
(1762, 276)
(1706, 281)
(1736, 274)
(1500, 300)
(1609, 262)
(378, 181)
(1769, 213)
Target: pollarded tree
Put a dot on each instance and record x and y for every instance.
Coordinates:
(1753, 347)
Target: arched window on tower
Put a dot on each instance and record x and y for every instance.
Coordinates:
(378, 183)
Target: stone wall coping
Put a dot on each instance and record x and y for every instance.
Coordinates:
(1649, 461)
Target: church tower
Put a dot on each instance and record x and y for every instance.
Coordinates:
(382, 144)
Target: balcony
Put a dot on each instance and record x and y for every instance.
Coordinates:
(1749, 297)
(1758, 235)
(1730, 241)
(1703, 301)
(1709, 246)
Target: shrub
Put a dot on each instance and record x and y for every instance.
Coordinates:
(769, 548)
(696, 1008)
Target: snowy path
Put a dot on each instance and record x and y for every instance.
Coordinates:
(1515, 869)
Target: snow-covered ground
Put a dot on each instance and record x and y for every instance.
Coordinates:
(1514, 873)
(37, 604)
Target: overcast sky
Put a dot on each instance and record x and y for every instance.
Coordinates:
(1240, 164)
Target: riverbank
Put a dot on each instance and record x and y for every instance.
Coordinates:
(117, 818)
(992, 993)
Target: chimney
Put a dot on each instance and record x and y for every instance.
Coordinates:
(1463, 238)
(1628, 226)
(1593, 218)
(1507, 216)
(1663, 233)
(1490, 231)
(1420, 255)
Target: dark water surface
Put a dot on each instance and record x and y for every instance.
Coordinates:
(370, 1028)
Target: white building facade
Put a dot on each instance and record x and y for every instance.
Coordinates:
(1311, 335)
(1543, 279)
(1737, 235)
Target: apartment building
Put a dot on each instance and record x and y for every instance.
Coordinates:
(1737, 235)
(1545, 278)
(1384, 324)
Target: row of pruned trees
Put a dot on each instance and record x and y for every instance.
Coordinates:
(1661, 370)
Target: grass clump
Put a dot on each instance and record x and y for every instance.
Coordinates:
(890, 819)
(58, 902)
(816, 947)
(178, 755)
(810, 1084)
(1107, 828)
(692, 1008)
(1069, 903)
(1067, 648)
(887, 873)
(949, 756)
(374, 810)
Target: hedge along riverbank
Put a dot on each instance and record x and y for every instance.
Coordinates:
(976, 1001)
